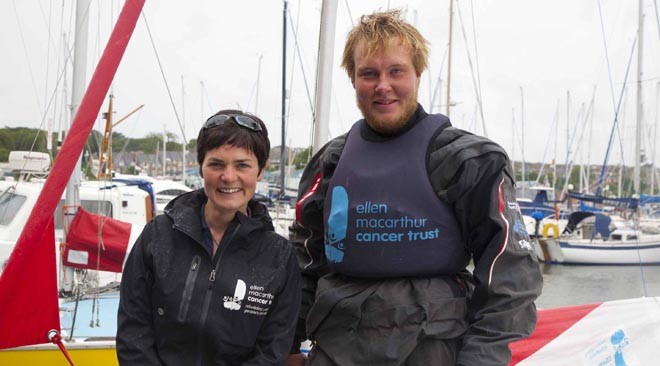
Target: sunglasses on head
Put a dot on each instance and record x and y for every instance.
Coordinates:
(241, 119)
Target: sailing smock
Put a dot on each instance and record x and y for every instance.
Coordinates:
(385, 220)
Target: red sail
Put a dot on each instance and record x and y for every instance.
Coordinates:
(28, 288)
(28, 291)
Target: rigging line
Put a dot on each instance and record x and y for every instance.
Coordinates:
(44, 114)
(607, 57)
(581, 123)
(583, 128)
(436, 90)
(616, 117)
(547, 145)
(62, 45)
(476, 49)
(254, 89)
(27, 57)
(350, 16)
(162, 72)
(474, 81)
(206, 94)
(302, 66)
(50, 16)
(657, 17)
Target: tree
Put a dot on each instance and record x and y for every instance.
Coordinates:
(302, 158)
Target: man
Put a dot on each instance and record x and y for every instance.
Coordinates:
(389, 216)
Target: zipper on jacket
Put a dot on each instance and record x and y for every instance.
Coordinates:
(207, 297)
(188, 288)
(212, 277)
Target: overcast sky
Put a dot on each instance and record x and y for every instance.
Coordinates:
(531, 59)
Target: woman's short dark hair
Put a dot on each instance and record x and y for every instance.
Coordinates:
(234, 134)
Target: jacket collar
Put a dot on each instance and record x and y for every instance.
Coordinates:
(186, 210)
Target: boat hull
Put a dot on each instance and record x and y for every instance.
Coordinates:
(600, 252)
(610, 253)
(100, 353)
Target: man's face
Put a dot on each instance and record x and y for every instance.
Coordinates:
(386, 86)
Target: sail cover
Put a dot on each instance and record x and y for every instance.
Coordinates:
(623, 332)
(28, 287)
(98, 242)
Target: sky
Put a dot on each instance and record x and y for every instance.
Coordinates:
(538, 67)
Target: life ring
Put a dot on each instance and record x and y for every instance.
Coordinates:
(554, 227)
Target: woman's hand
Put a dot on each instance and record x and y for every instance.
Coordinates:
(297, 359)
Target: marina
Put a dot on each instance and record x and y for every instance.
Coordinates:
(625, 295)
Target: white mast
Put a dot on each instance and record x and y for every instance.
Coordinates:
(164, 151)
(655, 138)
(72, 197)
(640, 110)
(513, 141)
(451, 26)
(522, 139)
(183, 130)
(324, 74)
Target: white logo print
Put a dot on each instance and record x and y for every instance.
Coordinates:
(234, 303)
(524, 244)
(513, 206)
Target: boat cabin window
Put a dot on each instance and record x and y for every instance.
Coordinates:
(616, 237)
(10, 204)
(92, 206)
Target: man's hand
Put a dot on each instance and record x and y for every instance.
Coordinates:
(297, 359)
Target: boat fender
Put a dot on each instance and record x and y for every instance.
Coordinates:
(547, 227)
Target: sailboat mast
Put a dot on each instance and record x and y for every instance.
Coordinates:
(183, 131)
(324, 74)
(72, 196)
(522, 139)
(164, 151)
(78, 88)
(283, 149)
(640, 111)
(451, 18)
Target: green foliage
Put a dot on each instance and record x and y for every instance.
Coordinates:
(21, 139)
(302, 157)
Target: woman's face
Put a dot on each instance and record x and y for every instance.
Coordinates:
(230, 178)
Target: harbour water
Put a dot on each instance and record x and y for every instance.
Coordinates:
(566, 285)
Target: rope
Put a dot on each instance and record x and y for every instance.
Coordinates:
(474, 81)
(56, 338)
(657, 17)
(616, 113)
(162, 72)
(27, 57)
(555, 120)
(302, 67)
(476, 49)
(350, 16)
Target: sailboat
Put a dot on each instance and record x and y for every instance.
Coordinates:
(28, 284)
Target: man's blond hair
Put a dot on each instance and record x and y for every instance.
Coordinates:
(378, 31)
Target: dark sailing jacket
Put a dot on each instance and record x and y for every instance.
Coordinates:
(180, 306)
(471, 174)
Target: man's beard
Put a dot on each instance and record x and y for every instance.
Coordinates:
(391, 127)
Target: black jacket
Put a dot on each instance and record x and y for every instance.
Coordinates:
(472, 174)
(180, 306)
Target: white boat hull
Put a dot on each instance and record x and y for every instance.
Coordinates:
(600, 252)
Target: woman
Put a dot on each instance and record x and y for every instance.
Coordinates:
(210, 282)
